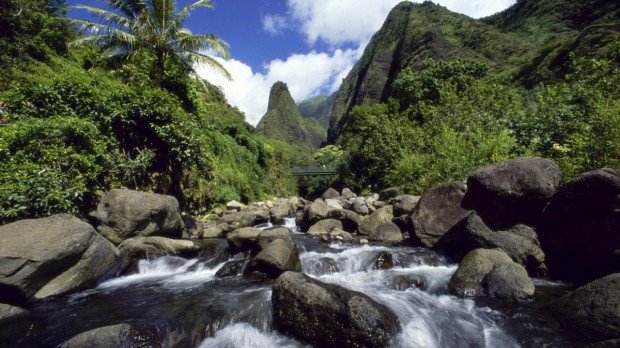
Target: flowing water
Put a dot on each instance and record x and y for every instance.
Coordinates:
(180, 302)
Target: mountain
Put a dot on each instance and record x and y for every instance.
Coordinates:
(319, 108)
(284, 122)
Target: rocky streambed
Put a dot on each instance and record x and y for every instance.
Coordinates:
(448, 269)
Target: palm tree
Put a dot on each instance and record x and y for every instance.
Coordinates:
(153, 26)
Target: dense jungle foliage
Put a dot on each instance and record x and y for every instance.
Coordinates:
(79, 124)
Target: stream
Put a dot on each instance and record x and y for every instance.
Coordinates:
(180, 302)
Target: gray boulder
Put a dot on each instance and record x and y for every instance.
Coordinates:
(234, 205)
(52, 256)
(350, 220)
(315, 212)
(386, 231)
(121, 335)
(269, 235)
(491, 272)
(123, 214)
(231, 268)
(194, 228)
(404, 204)
(10, 313)
(388, 193)
(592, 312)
(580, 228)
(334, 203)
(384, 260)
(372, 222)
(359, 206)
(151, 247)
(214, 230)
(341, 235)
(282, 208)
(438, 211)
(513, 192)
(330, 193)
(327, 315)
(324, 227)
(276, 258)
(520, 242)
(348, 194)
(243, 239)
(245, 218)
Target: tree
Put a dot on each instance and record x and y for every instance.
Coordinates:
(153, 26)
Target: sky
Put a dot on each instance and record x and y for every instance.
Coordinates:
(309, 44)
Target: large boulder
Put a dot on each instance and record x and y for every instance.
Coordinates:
(520, 242)
(386, 231)
(348, 194)
(246, 218)
(123, 214)
(151, 247)
(491, 272)
(330, 193)
(282, 208)
(121, 335)
(350, 220)
(359, 206)
(327, 315)
(372, 222)
(269, 235)
(193, 227)
(580, 228)
(277, 257)
(315, 212)
(404, 204)
(513, 192)
(243, 239)
(592, 312)
(10, 313)
(214, 230)
(388, 193)
(52, 256)
(324, 227)
(438, 211)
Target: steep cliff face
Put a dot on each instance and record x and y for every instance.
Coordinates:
(284, 122)
(319, 108)
(412, 34)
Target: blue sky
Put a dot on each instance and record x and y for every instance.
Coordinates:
(309, 44)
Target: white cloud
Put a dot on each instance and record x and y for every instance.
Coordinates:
(273, 24)
(307, 75)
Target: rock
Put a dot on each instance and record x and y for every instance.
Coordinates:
(214, 230)
(121, 335)
(592, 312)
(520, 242)
(231, 268)
(363, 241)
(276, 258)
(315, 212)
(371, 199)
(330, 193)
(243, 239)
(513, 192)
(324, 227)
(327, 315)
(52, 256)
(404, 204)
(334, 203)
(348, 194)
(388, 193)
(379, 204)
(269, 235)
(491, 272)
(234, 205)
(359, 206)
(403, 222)
(349, 219)
(193, 227)
(580, 228)
(402, 282)
(152, 247)
(387, 232)
(123, 214)
(383, 261)
(371, 223)
(281, 209)
(217, 212)
(10, 313)
(341, 235)
(246, 218)
(437, 212)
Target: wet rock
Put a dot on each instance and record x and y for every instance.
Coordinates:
(213, 251)
(193, 227)
(281, 209)
(324, 227)
(276, 258)
(383, 261)
(341, 235)
(245, 218)
(404, 204)
(330, 193)
(513, 192)
(592, 312)
(121, 335)
(10, 313)
(123, 214)
(348, 194)
(52, 256)
(402, 282)
(403, 222)
(388, 193)
(231, 268)
(328, 315)
(350, 220)
(580, 228)
(243, 239)
(359, 206)
(213, 230)
(520, 242)
(269, 235)
(315, 212)
(151, 247)
(491, 272)
(437, 212)
(387, 232)
(372, 222)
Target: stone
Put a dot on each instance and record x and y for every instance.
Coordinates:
(123, 214)
(327, 315)
(591, 312)
(350, 220)
(151, 247)
(243, 239)
(386, 232)
(193, 227)
(372, 222)
(334, 203)
(348, 194)
(234, 205)
(315, 212)
(269, 235)
(513, 192)
(404, 204)
(10, 313)
(437, 212)
(52, 256)
(359, 206)
(121, 335)
(379, 204)
(388, 193)
(324, 227)
(520, 242)
(580, 228)
(281, 209)
(383, 261)
(341, 235)
(276, 258)
(330, 193)
(231, 268)
(491, 272)
(214, 230)
(245, 218)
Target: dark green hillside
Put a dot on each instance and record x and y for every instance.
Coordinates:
(284, 122)
(319, 108)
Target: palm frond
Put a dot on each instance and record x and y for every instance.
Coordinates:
(176, 23)
(108, 16)
(131, 8)
(199, 58)
(188, 42)
(97, 28)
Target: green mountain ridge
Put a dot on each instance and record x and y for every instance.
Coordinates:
(319, 108)
(283, 121)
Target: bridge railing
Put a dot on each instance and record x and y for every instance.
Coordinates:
(312, 171)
